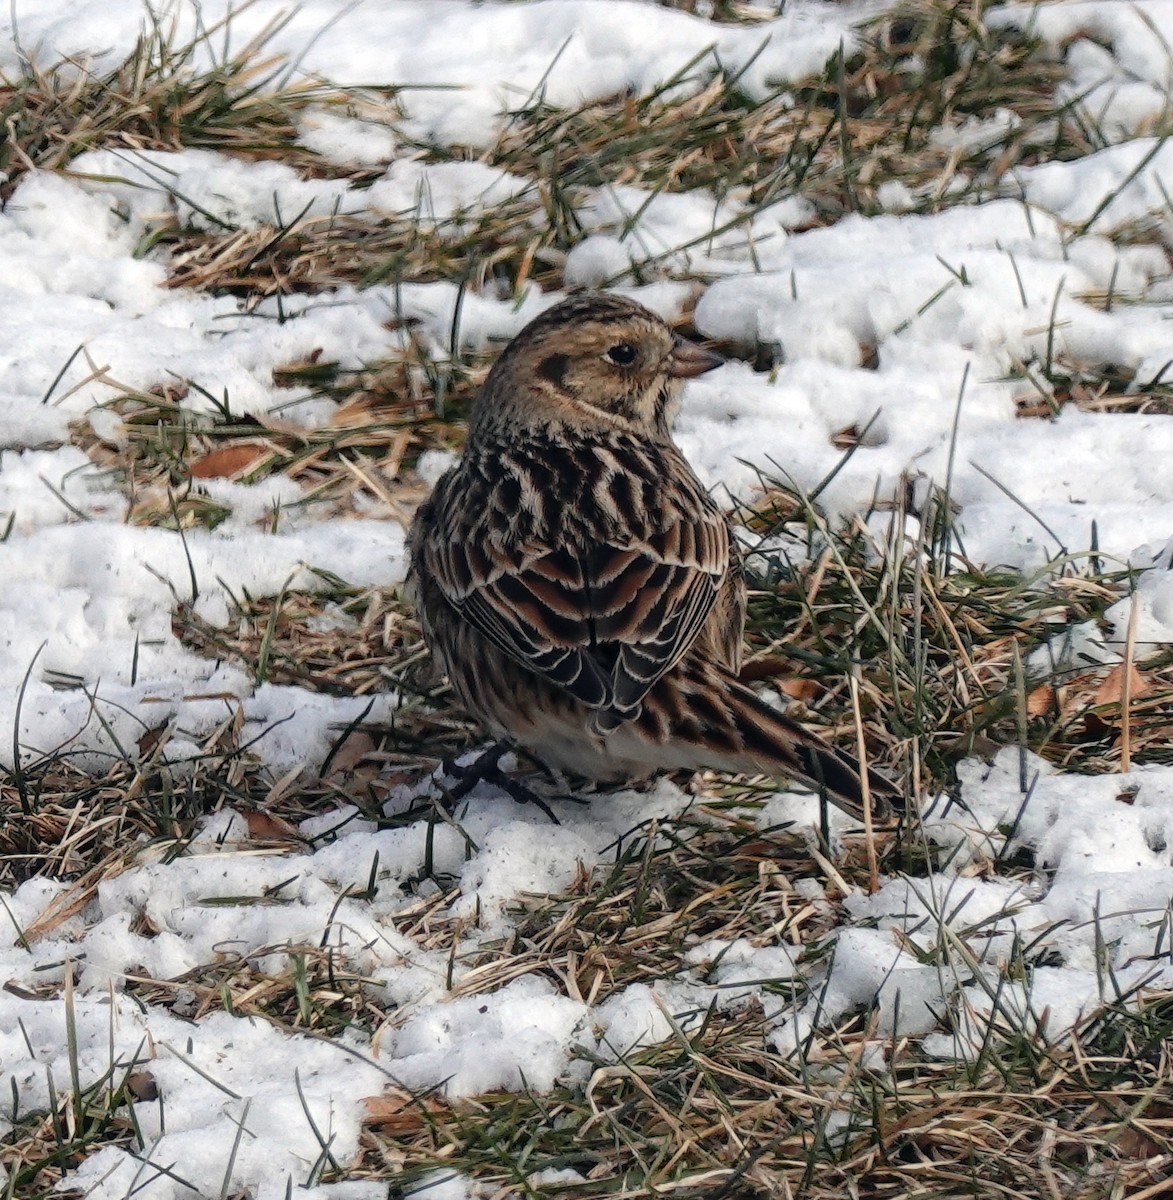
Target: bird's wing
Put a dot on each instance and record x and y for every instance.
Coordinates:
(602, 621)
(648, 601)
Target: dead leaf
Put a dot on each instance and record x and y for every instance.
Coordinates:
(398, 1112)
(770, 666)
(1041, 701)
(228, 462)
(149, 741)
(351, 752)
(267, 828)
(1111, 691)
(382, 786)
(1134, 1144)
(1095, 726)
(142, 1085)
(806, 690)
(763, 666)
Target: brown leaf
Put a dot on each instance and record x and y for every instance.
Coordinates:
(381, 786)
(1073, 696)
(763, 666)
(398, 1112)
(351, 752)
(142, 1085)
(1132, 1143)
(770, 666)
(1041, 701)
(149, 741)
(1095, 726)
(1111, 691)
(806, 690)
(228, 462)
(267, 828)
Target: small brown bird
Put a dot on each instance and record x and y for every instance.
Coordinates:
(578, 584)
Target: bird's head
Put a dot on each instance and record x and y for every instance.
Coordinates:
(598, 362)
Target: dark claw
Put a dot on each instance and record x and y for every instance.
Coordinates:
(486, 766)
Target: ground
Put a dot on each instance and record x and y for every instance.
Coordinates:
(253, 267)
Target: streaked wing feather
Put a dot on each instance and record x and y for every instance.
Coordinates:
(529, 606)
(655, 648)
(603, 623)
(538, 639)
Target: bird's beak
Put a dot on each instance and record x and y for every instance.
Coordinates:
(689, 360)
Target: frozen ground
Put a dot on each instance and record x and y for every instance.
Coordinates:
(979, 293)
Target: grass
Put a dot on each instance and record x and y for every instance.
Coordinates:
(937, 645)
(715, 1110)
(157, 98)
(940, 642)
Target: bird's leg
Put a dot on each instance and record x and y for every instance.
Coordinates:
(487, 767)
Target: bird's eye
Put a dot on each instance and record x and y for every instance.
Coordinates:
(622, 355)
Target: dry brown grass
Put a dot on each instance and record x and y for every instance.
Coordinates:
(155, 99)
(715, 1111)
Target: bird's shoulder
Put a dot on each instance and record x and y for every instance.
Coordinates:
(555, 485)
(597, 504)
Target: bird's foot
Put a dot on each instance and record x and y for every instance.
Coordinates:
(486, 767)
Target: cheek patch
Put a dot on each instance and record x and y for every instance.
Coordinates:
(553, 369)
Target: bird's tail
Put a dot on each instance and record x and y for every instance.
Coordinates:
(710, 719)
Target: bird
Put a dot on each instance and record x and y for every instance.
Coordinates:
(579, 586)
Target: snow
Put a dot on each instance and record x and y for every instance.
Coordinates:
(921, 332)
(1111, 189)
(498, 57)
(214, 1085)
(979, 294)
(684, 231)
(515, 1038)
(1152, 596)
(1117, 56)
(346, 140)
